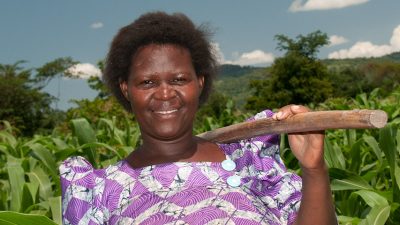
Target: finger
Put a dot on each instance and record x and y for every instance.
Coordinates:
(283, 113)
(298, 109)
(278, 116)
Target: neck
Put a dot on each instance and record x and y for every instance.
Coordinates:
(155, 151)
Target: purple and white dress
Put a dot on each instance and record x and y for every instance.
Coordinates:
(185, 192)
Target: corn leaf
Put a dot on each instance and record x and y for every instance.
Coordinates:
(39, 177)
(371, 141)
(44, 156)
(8, 138)
(333, 155)
(372, 198)
(27, 198)
(17, 181)
(346, 180)
(14, 218)
(94, 145)
(387, 143)
(346, 220)
(377, 216)
(60, 144)
(83, 131)
(355, 154)
(55, 207)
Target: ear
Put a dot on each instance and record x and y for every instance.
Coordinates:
(201, 81)
(123, 85)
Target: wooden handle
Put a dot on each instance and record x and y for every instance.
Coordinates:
(310, 121)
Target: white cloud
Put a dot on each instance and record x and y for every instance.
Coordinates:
(252, 58)
(83, 71)
(244, 59)
(309, 5)
(368, 49)
(336, 40)
(97, 25)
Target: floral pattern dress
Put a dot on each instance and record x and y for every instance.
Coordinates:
(185, 192)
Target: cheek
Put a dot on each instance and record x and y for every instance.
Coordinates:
(137, 99)
(192, 95)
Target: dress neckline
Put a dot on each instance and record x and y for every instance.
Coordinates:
(179, 163)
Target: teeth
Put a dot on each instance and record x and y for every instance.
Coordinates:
(166, 112)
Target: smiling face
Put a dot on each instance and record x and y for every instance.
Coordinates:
(163, 90)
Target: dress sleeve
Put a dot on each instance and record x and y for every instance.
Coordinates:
(78, 186)
(269, 180)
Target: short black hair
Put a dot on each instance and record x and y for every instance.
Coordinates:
(159, 28)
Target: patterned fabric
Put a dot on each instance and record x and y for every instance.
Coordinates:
(185, 192)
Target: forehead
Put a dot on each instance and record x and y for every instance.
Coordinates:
(159, 54)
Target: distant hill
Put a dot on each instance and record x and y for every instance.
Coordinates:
(394, 57)
(229, 70)
(233, 80)
(337, 63)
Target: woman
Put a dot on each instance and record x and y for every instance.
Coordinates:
(161, 67)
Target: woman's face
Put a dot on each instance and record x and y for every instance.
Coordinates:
(163, 90)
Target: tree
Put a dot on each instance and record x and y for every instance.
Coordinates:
(297, 77)
(97, 84)
(23, 104)
(50, 70)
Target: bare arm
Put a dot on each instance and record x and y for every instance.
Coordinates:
(317, 204)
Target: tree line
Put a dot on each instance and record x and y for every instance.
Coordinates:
(298, 77)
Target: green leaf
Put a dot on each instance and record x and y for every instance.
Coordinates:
(60, 144)
(346, 220)
(17, 181)
(14, 218)
(8, 138)
(103, 145)
(39, 177)
(43, 155)
(371, 198)
(27, 198)
(398, 142)
(374, 146)
(55, 207)
(387, 143)
(333, 155)
(377, 216)
(349, 184)
(63, 154)
(85, 134)
(346, 180)
(351, 137)
(33, 190)
(83, 131)
(355, 154)
(397, 177)
(4, 149)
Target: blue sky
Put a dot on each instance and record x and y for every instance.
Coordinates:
(43, 30)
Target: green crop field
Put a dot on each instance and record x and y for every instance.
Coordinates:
(364, 164)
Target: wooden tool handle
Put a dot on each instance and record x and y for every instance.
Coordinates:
(310, 121)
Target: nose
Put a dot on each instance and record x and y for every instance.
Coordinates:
(165, 91)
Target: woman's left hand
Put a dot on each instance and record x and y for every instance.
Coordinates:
(308, 147)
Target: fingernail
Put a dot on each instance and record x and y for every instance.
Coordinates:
(295, 107)
(279, 115)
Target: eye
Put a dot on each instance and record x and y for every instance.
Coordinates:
(180, 80)
(147, 83)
